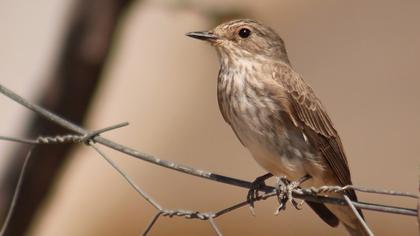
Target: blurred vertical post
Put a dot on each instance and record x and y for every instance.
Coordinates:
(74, 79)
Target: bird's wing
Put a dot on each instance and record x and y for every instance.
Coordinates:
(307, 113)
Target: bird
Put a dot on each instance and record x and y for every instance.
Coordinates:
(277, 116)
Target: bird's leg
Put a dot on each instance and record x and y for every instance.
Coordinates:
(285, 189)
(256, 185)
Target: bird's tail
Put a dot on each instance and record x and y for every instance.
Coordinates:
(348, 218)
(358, 231)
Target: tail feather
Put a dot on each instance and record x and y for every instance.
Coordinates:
(359, 231)
(348, 218)
(334, 214)
(352, 195)
(326, 215)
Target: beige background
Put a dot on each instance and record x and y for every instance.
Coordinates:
(362, 58)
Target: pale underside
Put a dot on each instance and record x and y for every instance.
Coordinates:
(262, 124)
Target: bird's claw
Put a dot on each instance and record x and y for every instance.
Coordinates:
(284, 189)
(254, 189)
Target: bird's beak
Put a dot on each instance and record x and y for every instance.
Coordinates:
(203, 35)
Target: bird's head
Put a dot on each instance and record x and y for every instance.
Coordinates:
(244, 38)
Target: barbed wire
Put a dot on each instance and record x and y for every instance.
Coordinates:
(90, 138)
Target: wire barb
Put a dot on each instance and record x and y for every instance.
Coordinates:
(357, 214)
(90, 137)
(214, 226)
(151, 223)
(128, 179)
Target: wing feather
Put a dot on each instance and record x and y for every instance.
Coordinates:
(307, 109)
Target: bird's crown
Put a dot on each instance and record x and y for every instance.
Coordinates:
(243, 38)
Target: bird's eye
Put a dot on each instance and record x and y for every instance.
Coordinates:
(244, 33)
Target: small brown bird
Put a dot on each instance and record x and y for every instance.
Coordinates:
(277, 116)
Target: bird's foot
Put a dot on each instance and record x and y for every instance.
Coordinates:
(285, 188)
(254, 189)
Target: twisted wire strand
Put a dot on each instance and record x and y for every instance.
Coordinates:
(188, 214)
(59, 139)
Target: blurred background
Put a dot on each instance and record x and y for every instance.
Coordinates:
(102, 62)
